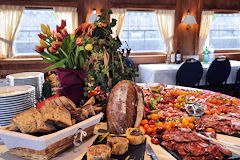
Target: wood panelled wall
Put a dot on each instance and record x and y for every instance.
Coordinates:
(186, 40)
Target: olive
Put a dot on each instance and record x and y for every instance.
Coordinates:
(159, 130)
(162, 119)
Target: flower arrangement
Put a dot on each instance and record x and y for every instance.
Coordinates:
(90, 48)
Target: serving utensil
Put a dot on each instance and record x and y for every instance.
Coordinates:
(224, 143)
(150, 152)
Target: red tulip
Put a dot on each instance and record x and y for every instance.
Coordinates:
(79, 41)
(52, 50)
(41, 36)
(57, 28)
(64, 32)
(59, 37)
(55, 45)
(63, 24)
(79, 31)
(39, 49)
(89, 32)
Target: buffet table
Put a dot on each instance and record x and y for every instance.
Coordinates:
(78, 153)
(166, 73)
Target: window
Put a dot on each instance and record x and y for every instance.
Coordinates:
(225, 32)
(140, 31)
(28, 29)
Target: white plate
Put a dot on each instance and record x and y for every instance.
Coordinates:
(8, 91)
(17, 98)
(14, 111)
(17, 108)
(25, 75)
(17, 102)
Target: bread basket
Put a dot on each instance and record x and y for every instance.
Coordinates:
(47, 146)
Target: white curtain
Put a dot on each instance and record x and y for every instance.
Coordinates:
(70, 15)
(118, 14)
(166, 19)
(10, 17)
(205, 26)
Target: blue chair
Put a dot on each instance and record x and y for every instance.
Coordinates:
(189, 74)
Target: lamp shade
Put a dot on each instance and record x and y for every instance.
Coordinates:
(93, 17)
(189, 20)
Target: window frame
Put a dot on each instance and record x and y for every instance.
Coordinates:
(30, 56)
(234, 51)
(145, 53)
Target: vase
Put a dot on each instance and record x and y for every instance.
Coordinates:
(71, 83)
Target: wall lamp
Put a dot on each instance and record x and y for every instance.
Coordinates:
(93, 16)
(189, 19)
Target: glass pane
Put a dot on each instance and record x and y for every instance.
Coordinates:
(30, 27)
(140, 31)
(225, 32)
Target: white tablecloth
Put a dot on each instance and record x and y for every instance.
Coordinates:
(166, 73)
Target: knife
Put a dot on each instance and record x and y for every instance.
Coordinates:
(150, 152)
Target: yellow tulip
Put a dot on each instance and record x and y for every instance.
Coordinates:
(89, 47)
(72, 35)
(44, 28)
(43, 43)
(48, 31)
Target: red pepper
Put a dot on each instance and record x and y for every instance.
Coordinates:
(155, 141)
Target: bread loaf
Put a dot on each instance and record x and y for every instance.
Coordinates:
(135, 136)
(99, 152)
(119, 145)
(125, 107)
(68, 104)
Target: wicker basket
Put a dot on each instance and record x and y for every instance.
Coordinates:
(61, 141)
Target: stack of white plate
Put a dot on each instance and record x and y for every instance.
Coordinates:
(14, 100)
(35, 79)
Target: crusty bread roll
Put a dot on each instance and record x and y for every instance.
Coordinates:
(119, 145)
(135, 136)
(125, 104)
(99, 152)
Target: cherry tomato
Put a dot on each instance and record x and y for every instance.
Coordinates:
(191, 119)
(154, 116)
(158, 124)
(148, 117)
(155, 141)
(235, 102)
(92, 93)
(159, 130)
(191, 125)
(212, 111)
(142, 128)
(164, 101)
(207, 112)
(150, 130)
(151, 122)
(211, 131)
(144, 121)
(171, 105)
(146, 126)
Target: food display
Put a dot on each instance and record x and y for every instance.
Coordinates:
(192, 145)
(175, 117)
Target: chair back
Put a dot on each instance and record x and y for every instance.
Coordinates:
(190, 72)
(238, 76)
(218, 71)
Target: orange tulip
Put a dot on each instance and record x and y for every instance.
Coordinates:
(52, 50)
(59, 37)
(79, 41)
(64, 32)
(39, 49)
(55, 45)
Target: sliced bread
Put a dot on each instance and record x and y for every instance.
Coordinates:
(53, 114)
(70, 105)
(26, 121)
